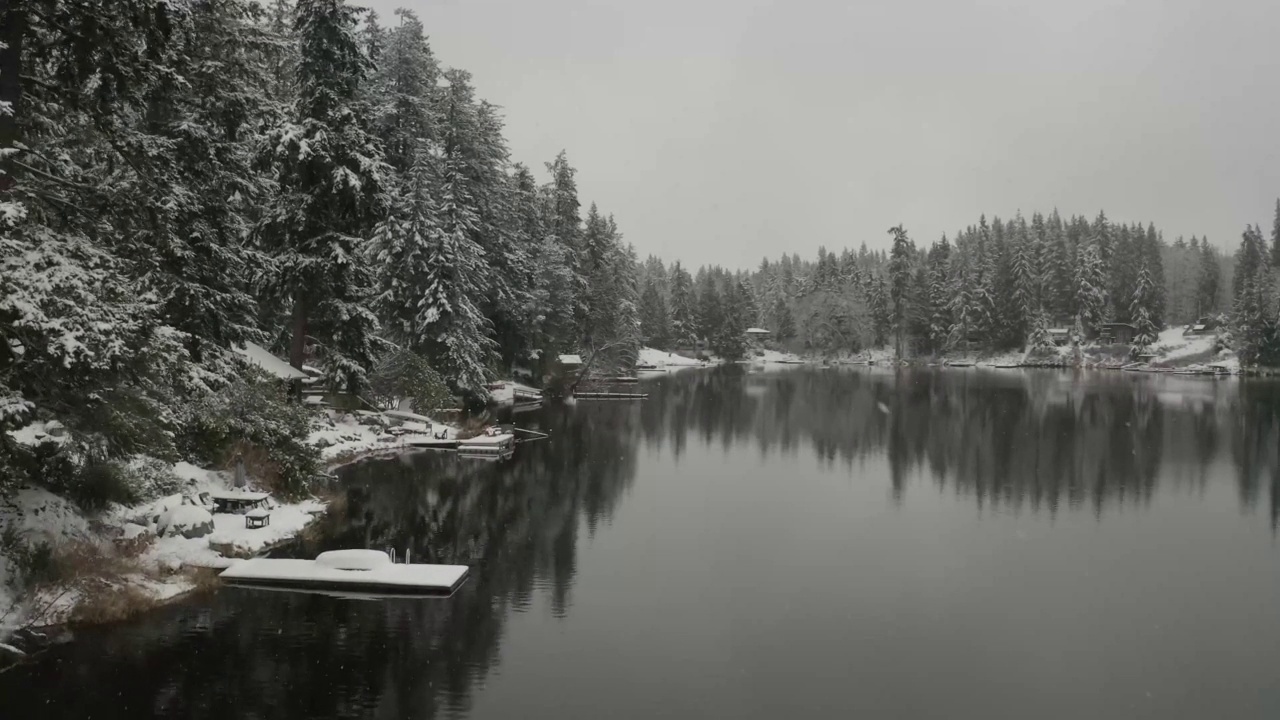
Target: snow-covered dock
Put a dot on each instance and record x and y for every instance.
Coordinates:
(364, 571)
(490, 442)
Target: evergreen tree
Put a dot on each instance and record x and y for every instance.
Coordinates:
(330, 176)
(684, 332)
(1275, 236)
(452, 332)
(564, 222)
(729, 337)
(1091, 293)
(899, 283)
(881, 320)
(655, 324)
(710, 308)
(1025, 306)
(1140, 309)
(404, 113)
(1257, 331)
(783, 322)
(1208, 282)
(940, 319)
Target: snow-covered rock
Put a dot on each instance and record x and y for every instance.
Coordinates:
(188, 521)
(133, 530)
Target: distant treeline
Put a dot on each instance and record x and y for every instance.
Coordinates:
(997, 285)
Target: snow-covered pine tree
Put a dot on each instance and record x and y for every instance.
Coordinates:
(710, 306)
(878, 304)
(195, 189)
(1152, 249)
(565, 224)
(452, 332)
(1254, 311)
(899, 284)
(1275, 236)
(1091, 291)
(1025, 305)
(655, 324)
(331, 190)
(404, 113)
(729, 338)
(684, 331)
(1140, 309)
(1208, 280)
(784, 323)
(940, 318)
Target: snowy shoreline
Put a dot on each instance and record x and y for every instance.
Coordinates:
(131, 555)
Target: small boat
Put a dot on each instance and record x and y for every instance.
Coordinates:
(959, 364)
(367, 572)
(610, 396)
(646, 366)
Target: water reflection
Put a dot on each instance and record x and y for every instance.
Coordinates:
(1039, 439)
(1044, 441)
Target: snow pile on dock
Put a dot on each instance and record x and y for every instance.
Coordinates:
(369, 570)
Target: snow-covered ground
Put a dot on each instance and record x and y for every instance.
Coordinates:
(1172, 347)
(37, 517)
(664, 359)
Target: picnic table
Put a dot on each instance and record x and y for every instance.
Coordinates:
(257, 518)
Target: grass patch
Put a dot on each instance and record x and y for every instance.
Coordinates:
(105, 602)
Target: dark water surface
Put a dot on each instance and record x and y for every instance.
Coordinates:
(802, 543)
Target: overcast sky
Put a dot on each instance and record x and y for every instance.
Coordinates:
(720, 131)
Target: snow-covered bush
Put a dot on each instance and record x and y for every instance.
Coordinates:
(404, 374)
(150, 478)
(253, 418)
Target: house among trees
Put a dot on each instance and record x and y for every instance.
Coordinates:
(1122, 333)
(1203, 326)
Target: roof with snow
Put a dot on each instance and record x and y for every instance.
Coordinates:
(263, 358)
(757, 331)
(570, 359)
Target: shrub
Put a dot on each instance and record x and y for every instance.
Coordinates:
(403, 374)
(253, 417)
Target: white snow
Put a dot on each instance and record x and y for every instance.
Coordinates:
(183, 519)
(353, 559)
(664, 359)
(1172, 345)
(36, 433)
(387, 575)
(263, 358)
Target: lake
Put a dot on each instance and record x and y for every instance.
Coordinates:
(801, 543)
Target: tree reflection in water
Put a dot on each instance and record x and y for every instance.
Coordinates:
(1036, 440)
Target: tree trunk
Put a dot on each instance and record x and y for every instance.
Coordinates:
(13, 26)
(298, 328)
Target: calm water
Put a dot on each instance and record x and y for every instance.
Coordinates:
(801, 543)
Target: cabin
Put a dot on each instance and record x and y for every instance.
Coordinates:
(570, 362)
(1203, 326)
(1117, 333)
(758, 333)
(1059, 336)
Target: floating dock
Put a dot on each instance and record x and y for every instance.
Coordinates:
(348, 571)
(487, 444)
(610, 396)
